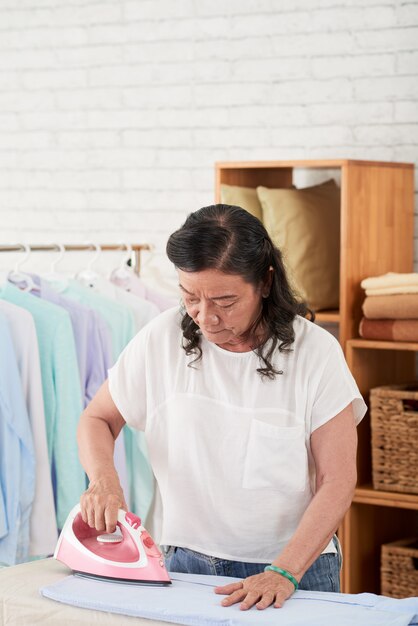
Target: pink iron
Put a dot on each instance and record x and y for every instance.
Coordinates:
(128, 555)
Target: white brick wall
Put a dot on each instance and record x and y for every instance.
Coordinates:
(112, 113)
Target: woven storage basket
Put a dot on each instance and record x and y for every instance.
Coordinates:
(394, 424)
(399, 568)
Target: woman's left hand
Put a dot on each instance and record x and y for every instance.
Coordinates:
(260, 590)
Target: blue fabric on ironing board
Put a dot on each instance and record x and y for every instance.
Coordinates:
(190, 600)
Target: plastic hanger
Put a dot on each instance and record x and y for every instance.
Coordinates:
(58, 281)
(22, 280)
(88, 277)
(124, 272)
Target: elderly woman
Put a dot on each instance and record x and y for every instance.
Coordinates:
(249, 412)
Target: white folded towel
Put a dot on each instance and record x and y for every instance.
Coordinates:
(391, 291)
(391, 280)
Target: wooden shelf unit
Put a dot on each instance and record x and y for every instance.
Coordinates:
(376, 236)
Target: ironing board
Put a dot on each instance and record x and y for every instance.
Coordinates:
(21, 604)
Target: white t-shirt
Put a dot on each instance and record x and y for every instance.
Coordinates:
(230, 450)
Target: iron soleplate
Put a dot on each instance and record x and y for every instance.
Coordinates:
(123, 581)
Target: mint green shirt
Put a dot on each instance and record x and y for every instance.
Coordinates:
(61, 392)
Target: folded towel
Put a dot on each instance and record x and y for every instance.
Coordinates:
(191, 600)
(391, 291)
(391, 279)
(389, 330)
(399, 306)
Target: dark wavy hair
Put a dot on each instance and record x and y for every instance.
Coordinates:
(231, 240)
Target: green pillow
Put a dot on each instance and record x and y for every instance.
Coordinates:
(305, 225)
(245, 197)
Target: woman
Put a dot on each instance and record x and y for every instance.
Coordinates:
(250, 415)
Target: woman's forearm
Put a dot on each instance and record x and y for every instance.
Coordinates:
(99, 426)
(317, 526)
(96, 447)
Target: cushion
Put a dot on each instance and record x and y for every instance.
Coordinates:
(305, 225)
(245, 197)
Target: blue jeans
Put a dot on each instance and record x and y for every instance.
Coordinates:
(323, 574)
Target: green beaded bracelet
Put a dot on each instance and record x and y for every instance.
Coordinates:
(282, 572)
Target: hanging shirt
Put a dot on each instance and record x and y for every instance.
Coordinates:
(119, 317)
(230, 450)
(142, 310)
(61, 392)
(122, 327)
(93, 362)
(134, 284)
(43, 528)
(17, 458)
(3, 517)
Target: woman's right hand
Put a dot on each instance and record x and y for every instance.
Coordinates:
(100, 503)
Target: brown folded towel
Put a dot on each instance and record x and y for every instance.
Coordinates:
(400, 306)
(389, 330)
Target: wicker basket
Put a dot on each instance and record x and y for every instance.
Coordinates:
(394, 424)
(399, 568)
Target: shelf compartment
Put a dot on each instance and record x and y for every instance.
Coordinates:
(373, 367)
(377, 211)
(365, 528)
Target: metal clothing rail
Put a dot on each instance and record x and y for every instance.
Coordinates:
(135, 248)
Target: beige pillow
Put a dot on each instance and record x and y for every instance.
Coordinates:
(305, 225)
(245, 197)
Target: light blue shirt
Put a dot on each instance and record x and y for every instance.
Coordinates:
(3, 519)
(62, 395)
(191, 600)
(17, 457)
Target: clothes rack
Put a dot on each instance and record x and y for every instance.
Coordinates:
(136, 249)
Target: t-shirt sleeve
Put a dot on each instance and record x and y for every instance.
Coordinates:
(336, 390)
(127, 382)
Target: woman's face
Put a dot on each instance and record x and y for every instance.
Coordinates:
(224, 306)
